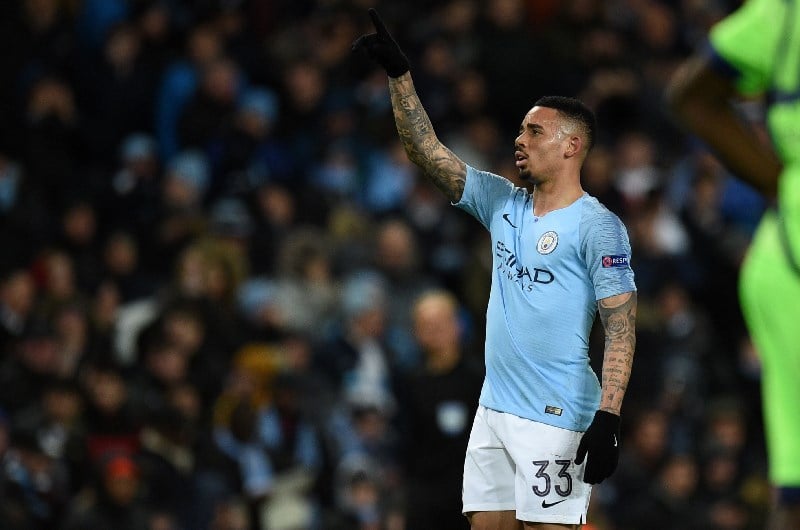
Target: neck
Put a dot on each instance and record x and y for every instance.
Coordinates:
(549, 196)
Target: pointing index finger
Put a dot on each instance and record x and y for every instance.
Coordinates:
(377, 22)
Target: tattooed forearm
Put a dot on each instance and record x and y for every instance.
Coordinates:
(424, 149)
(618, 315)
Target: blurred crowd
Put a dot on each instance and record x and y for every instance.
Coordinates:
(229, 302)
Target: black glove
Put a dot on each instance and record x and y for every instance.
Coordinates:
(382, 48)
(601, 443)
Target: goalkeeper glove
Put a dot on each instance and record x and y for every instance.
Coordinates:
(600, 443)
(382, 48)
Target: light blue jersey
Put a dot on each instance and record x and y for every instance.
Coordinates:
(548, 274)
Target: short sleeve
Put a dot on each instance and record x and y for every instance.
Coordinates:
(607, 252)
(484, 193)
(744, 44)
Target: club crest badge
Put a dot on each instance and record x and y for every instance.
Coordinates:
(547, 243)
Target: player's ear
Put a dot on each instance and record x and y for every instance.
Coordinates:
(574, 146)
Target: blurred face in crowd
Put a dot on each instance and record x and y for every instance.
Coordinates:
(185, 398)
(154, 22)
(371, 424)
(72, 326)
(51, 97)
(40, 353)
(220, 283)
(122, 48)
(253, 124)
(60, 275)
(650, 435)
(679, 476)
(459, 16)
(221, 81)
(63, 405)
(167, 364)
(106, 303)
(17, 293)
(179, 193)
(106, 390)
(396, 250)
(276, 205)
(230, 516)
(370, 322)
(728, 430)
(184, 330)
(79, 224)
(162, 521)
(204, 45)
(305, 85)
(470, 92)
(506, 13)
(41, 12)
(437, 59)
(436, 324)
(191, 273)
(121, 254)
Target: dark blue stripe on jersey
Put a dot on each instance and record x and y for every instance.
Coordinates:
(719, 64)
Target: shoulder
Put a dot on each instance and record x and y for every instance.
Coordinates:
(481, 186)
(489, 178)
(592, 210)
(597, 220)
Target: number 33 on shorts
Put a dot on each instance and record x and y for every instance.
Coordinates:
(517, 464)
(563, 490)
(560, 494)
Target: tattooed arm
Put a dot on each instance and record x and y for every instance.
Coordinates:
(440, 165)
(618, 314)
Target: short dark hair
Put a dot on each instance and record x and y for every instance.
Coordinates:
(573, 109)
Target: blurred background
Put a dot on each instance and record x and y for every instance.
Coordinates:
(228, 301)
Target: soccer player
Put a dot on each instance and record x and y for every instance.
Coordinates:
(544, 430)
(756, 50)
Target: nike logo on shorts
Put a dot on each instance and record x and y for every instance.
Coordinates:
(546, 504)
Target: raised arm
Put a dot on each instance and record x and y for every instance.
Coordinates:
(440, 165)
(701, 99)
(618, 315)
(424, 149)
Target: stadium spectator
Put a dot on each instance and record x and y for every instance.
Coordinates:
(435, 404)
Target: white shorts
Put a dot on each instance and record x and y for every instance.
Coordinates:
(522, 465)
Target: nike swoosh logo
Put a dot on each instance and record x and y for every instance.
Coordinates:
(615, 440)
(508, 220)
(546, 504)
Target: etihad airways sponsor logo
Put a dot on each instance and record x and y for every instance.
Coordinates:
(522, 275)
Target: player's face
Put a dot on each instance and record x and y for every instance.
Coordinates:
(539, 148)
